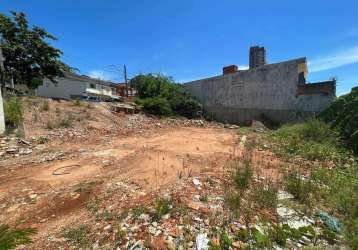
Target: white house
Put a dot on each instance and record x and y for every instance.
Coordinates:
(73, 86)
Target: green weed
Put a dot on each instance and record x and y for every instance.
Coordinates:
(77, 103)
(243, 176)
(298, 186)
(13, 112)
(77, 235)
(10, 238)
(265, 196)
(162, 207)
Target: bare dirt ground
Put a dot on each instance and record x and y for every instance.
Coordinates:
(149, 162)
(87, 178)
(123, 159)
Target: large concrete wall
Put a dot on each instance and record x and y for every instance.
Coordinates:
(269, 90)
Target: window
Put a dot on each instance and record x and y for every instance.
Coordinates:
(92, 85)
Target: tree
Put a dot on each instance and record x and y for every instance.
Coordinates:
(29, 58)
(160, 95)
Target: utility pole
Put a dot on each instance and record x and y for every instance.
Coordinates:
(2, 83)
(125, 79)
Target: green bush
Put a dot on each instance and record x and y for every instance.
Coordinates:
(342, 115)
(311, 130)
(152, 89)
(157, 106)
(312, 139)
(13, 112)
(11, 238)
(334, 189)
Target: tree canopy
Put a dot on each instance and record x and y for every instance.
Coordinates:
(160, 95)
(28, 55)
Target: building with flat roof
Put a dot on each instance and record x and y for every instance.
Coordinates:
(278, 92)
(74, 86)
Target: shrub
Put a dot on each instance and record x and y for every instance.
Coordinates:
(342, 116)
(157, 106)
(13, 112)
(313, 140)
(311, 130)
(183, 104)
(152, 89)
(11, 238)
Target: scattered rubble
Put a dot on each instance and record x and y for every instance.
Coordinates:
(128, 211)
(14, 146)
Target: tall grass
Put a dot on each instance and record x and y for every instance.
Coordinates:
(334, 190)
(10, 238)
(313, 140)
(13, 112)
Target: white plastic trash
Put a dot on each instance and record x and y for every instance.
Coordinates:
(202, 242)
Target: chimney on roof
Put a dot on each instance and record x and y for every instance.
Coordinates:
(230, 69)
(257, 56)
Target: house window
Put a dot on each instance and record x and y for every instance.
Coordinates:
(92, 85)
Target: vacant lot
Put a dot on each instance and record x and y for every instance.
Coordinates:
(142, 155)
(85, 177)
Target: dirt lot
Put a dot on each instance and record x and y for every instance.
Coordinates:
(87, 178)
(142, 155)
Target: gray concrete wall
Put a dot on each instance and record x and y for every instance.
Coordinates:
(269, 90)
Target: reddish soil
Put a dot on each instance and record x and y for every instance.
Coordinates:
(150, 162)
(123, 159)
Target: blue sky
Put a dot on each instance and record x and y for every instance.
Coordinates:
(192, 39)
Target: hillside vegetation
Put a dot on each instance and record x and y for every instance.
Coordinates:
(342, 116)
(331, 181)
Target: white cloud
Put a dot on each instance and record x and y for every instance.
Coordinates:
(100, 74)
(334, 60)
